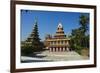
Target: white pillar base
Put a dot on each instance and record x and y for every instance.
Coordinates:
(60, 49)
(63, 49)
(53, 49)
(50, 49)
(67, 49)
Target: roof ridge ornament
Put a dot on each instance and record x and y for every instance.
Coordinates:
(60, 25)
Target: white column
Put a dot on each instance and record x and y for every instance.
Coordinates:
(67, 43)
(50, 49)
(67, 49)
(63, 49)
(53, 49)
(60, 42)
(60, 49)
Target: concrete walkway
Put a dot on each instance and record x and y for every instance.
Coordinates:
(55, 56)
(61, 56)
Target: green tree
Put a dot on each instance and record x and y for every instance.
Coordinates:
(26, 50)
(76, 37)
(36, 44)
(84, 21)
(79, 38)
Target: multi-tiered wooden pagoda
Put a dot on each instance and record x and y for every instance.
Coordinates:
(59, 42)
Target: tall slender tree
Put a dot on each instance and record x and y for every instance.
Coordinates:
(36, 44)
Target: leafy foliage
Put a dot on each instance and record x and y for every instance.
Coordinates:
(79, 38)
(26, 50)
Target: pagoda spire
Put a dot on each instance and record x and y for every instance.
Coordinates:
(60, 25)
(60, 31)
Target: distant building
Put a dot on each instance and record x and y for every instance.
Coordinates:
(59, 42)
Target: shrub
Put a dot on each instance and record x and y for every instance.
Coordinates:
(78, 49)
(26, 50)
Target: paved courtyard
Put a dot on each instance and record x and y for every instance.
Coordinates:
(47, 56)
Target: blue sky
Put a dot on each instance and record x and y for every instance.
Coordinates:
(48, 22)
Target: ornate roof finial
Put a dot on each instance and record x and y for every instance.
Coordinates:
(60, 25)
